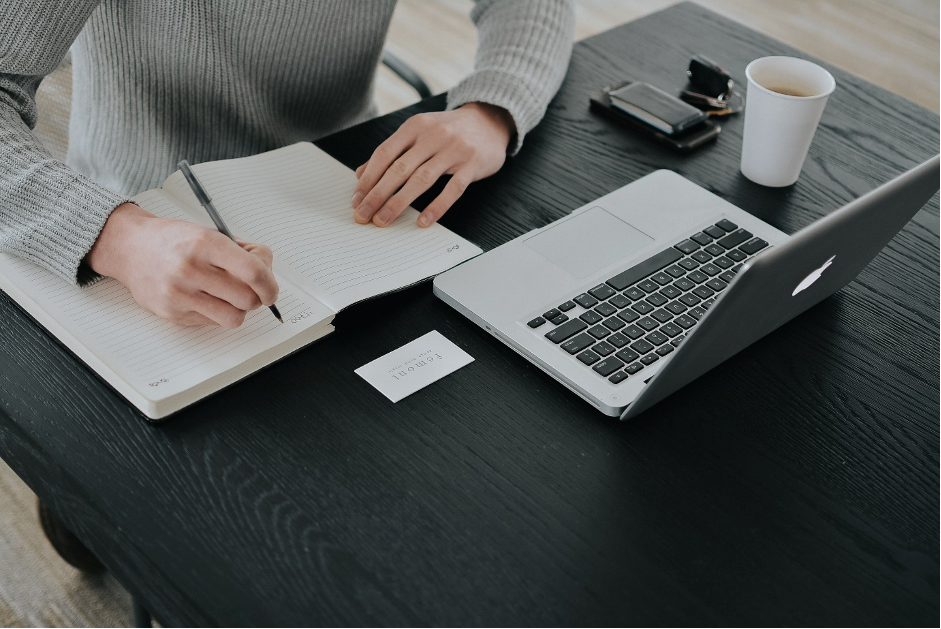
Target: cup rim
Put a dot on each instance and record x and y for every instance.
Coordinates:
(764, 89)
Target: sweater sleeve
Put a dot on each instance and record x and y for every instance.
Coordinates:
(49, 214)
(522, 55)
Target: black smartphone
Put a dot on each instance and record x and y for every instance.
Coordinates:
(691, 137)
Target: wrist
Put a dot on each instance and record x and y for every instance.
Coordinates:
(109, 254)
(496, 116)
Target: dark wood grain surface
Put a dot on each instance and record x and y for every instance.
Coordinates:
(795, 484)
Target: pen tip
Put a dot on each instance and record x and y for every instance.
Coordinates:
(280, 319)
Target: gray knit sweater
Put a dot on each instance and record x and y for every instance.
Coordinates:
(155, 82)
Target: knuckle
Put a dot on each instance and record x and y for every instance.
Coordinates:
(381, 153)
(400, 168)
(458, 184)
(424, 176)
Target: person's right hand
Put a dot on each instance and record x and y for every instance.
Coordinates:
(183, 271)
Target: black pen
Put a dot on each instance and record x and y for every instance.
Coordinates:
(203, 197)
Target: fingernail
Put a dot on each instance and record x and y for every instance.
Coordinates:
(356, 199)
(424, 220)
(383, 217)
(363, 213)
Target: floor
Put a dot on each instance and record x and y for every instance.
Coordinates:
(892, 43)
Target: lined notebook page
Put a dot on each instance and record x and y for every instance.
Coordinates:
(296, 200)
(156, 357)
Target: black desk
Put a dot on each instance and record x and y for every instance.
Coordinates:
(795, 484)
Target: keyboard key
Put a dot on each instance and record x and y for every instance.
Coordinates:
(715, 249)
(688, 263)
(715, 232)
(735, 238)
(617, 339)
(706, 304)
(656, 299)
(663, 350)
(602, 291)
(564, 331)
(642, 307)
(727, 276)
(716, 284)
(602, 348)
(633, 331)
(656, 338)
(723, 262)
(634, 293)
(701, 256)
(697, 276)
(727, 225)
(676, 307)
(588, 357)
(613, 323)
(704, 291)
(684, 284)
(586, 301)
(605, 309)
(753, 246)
(671, 329)
(685, 322)
(628, 315)
(578, 343)
(648, 324)
(559, 319)
(662, 278)
(567, 306)
(736, 268)
(641, 346)
(675, 270)
(735, 255)
(690, 299)
(676, 342)
(598, 331)
(633, 368)
(591, 317)
(649, 358)
(661, 315)
(702, 238)
(670, 292)
(608, 366)
(618, 377)
(648, 286)
(552, 314)
(627, 355)
(687, 246)
(697, 313)
(639, 271)
(535, 323)
(710, 269)
(620, 301)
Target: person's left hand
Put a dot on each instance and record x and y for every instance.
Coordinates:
(468, 143)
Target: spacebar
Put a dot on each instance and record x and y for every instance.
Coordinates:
(650, 265)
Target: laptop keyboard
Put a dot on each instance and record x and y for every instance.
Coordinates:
(642, 314)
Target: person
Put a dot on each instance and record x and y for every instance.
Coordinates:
(155, 82)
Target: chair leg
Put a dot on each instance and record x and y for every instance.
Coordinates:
(142, 617)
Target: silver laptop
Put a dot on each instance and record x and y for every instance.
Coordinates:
(634, 295)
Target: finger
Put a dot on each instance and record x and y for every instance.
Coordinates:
(443, 202)
(194, 318)
(391, 181)
(359, 171)
(249, 268)
(381, 159)
(423, 178)
(217, 310)
(222, 284)
(262, 251)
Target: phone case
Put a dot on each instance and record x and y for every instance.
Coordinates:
(682, 142)
(655, 107)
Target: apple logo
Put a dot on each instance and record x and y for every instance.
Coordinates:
(813, 277)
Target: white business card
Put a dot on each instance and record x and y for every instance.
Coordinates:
(414, 366)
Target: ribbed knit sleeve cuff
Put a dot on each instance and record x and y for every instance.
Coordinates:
(500, 89)
(69, 228)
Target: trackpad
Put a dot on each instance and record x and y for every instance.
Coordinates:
(588, 242)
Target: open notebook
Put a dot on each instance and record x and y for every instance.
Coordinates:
(296, 201)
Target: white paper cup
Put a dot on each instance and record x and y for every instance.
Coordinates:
(784, 102)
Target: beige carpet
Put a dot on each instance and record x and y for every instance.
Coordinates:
(893, 43)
